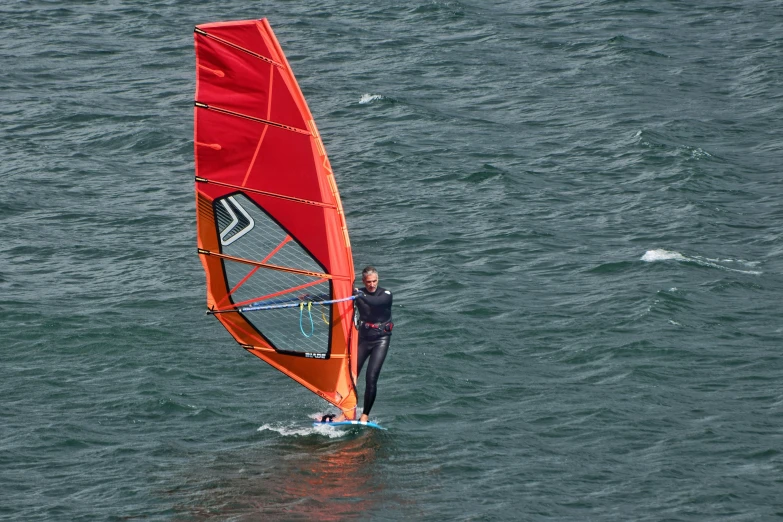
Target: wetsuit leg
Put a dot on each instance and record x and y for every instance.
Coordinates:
(377, 355)
(365, 348)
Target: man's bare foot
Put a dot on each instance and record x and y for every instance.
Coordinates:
(364, 418)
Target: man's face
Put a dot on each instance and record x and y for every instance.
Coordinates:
(370, 282)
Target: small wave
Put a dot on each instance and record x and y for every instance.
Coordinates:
(654, 140)
(660, 254)
(369, 98)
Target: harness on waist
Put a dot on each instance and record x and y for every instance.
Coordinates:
(378, 327)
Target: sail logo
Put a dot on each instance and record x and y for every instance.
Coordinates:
(239, 221)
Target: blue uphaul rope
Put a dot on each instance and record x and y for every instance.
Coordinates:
(292, 304)
(310, 313)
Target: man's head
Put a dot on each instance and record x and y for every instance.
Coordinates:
(370, 278)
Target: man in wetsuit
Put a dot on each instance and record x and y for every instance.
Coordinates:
(375, 326)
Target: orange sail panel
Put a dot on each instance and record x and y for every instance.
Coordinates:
(270, 223)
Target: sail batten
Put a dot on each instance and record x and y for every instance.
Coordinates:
(248, 117)
(270, 194)
(270, 222)
(238, 47)
(273, 267)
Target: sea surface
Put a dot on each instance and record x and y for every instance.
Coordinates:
(577, 204)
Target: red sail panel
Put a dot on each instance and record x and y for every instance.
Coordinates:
(270, 222)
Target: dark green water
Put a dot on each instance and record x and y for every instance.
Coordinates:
(577, 205)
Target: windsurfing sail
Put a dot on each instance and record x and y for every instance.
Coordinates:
(271, 231)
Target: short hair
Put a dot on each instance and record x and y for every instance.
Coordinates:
(369, 270)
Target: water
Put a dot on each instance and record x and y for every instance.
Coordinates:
(577, 205)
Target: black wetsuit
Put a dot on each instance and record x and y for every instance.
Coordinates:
(374, 335)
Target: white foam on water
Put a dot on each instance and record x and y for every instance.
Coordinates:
(698, 153)
(662, 255)
(714, 264)
(659, 254)
(369, 98)
(304, 429)
(742, 262)
(330, 431)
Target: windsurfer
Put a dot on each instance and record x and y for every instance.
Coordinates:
(375, 327)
